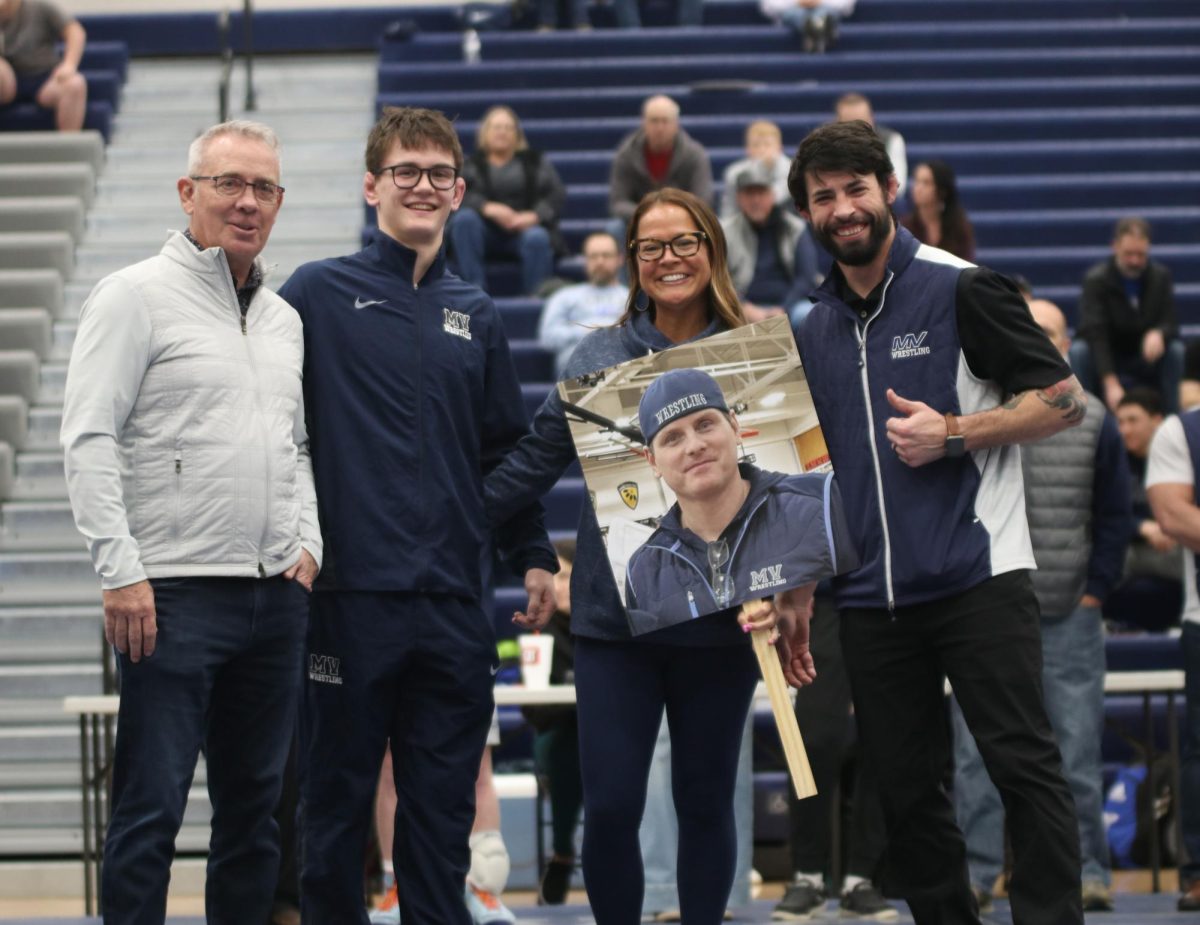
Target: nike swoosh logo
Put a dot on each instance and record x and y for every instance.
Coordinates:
(493, 669)
(366, 303)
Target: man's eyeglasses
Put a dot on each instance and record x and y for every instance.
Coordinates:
(406, 176)
(233, 186)
(682, 245)
(718, 564)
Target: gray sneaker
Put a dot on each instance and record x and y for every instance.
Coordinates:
(866, 902)
(802, 900)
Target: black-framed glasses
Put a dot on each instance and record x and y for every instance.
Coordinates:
(406, 176)
(682, 245)
(718, 565)
(233, 186)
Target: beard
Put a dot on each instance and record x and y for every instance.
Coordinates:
(857, 253)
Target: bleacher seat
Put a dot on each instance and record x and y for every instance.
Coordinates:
(20, 372)
(26, 329)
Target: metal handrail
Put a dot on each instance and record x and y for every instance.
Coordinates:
(224, 30)
(226, 66)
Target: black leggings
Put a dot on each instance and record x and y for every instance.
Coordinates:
(623, 688)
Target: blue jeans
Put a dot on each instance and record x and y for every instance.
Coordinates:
(797, 17)
(1164, 375)
(687, 13)
(659, 834)
(225, 677)
(576, 11)
(473, 238)
(1073, 682)
(1189, 796)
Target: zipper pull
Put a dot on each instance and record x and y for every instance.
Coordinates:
(262, 572)
(178, 462)
(243, 324)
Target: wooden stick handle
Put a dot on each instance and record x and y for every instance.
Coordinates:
(785, 716)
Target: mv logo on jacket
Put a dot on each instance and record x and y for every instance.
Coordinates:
(456, 323)
(910, 345)
(769, 577)
(325, 669)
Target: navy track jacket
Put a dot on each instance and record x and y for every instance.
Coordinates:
(412, 398)
(790, 531)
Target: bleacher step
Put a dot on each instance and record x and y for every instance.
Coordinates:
(37, 525)
(34, 578)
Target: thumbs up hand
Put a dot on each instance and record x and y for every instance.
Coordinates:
(918, 435)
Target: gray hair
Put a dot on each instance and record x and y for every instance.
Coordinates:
(243, 128)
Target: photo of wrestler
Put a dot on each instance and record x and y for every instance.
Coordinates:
(709, 476)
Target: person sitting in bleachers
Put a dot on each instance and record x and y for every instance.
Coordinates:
(772, 257)
(574, 311)
(575, 12)
(512, 205)
(764, 145)
(31, 69)
(1150, 595)
(815, 21)
(938, 217)
(854, 106)
(1129, 333)
(658, 154)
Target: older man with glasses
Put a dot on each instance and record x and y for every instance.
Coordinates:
(188, 471)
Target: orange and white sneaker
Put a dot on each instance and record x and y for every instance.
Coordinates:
(388, 910)
(485, 907)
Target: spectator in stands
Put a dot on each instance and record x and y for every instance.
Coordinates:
(512, 205)
(1150, 595)
(407, 415)
(31, 68)
(823, 713)
(938, 217)
(556, 741)
(1128, 332)
(1189, 388)
(687, 13)
(657, 155)
(185, 448)
(703, 671)
(764, 145)
(961, 607)
(814, 21)
(854, 106)
(1171, 487)
(1077, 499)
(772, 257)
(574, 11)
(573, 311)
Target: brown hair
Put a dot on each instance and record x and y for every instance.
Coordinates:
(722, 298)
(853, 147)
(485, 123)
(415, 129)
(1134, 225)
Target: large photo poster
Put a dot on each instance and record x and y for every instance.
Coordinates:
(709, 475)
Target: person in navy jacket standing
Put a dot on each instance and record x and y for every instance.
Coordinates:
(412, 397)
(926, 371)
(769, 531)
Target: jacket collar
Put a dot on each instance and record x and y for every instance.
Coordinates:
(901, 255)
(400, 260)
(760, 483)
(640, 336)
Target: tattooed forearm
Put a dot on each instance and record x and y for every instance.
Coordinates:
(1012, 403)
(1067, 397)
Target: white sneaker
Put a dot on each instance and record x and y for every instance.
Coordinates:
(486, 907)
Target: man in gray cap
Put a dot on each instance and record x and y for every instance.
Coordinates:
(772, 257)
(735, 532)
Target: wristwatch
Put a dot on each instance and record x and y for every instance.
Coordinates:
(956, 443)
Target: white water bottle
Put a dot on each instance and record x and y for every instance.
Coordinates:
(471, 46)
